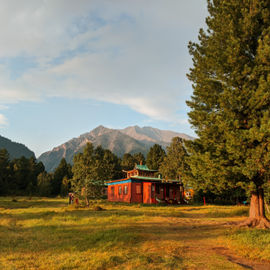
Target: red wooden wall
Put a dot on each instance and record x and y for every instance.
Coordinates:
(147, 192)
(114, 194)
(144, 192)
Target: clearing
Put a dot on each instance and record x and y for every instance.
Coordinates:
(42, 233)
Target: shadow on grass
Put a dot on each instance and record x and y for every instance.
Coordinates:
(8, 203)
(129, 213)
(232, 213)
(83, 237)
(88, 213)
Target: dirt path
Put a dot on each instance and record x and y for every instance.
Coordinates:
(202, 227)
(202, 246)
(245, 263)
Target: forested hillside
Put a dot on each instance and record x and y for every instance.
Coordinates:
(15, 150)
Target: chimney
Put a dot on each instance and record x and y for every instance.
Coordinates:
(141, 162)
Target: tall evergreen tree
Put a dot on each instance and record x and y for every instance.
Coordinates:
(175, 164)
(24, 175)
(155, 157)
(44, 184)
(128, 162)
(5, 171)
(63, 170)
(139, 158)
(230, 106)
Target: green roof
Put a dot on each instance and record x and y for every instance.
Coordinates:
(154, 179)
(144, 168)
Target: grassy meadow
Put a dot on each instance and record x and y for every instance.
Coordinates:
(42, 233)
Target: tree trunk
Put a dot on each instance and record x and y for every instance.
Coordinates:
(257, 216)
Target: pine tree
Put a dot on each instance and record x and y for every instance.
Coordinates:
(139, 158)
(175, 163)
(63, 170)
(5, 172)
(155, 157)
(44, 184)
(65, 186)
(128, 162)
(230, 106)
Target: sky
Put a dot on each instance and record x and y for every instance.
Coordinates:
(69, 66)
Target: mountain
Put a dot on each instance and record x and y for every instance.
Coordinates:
(120, 141)
(153, 134)
(15, 150)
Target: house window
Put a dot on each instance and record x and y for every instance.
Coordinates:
(157, 189)
(125, 190)
(138, 189)
(119, 190)
(112, 191)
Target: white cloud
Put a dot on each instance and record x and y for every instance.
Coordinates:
(3, 121)
(124, 52)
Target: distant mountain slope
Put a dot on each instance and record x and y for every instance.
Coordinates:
(153, 134)
(15, 150)
(128, 140)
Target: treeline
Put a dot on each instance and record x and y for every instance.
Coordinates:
(26, 176)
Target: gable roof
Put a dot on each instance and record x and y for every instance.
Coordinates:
(144, 168)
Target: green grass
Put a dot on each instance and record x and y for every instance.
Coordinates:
(251, 243)
(42, 233)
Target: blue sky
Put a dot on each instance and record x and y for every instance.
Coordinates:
(68, 66)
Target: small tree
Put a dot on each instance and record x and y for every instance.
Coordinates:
(91, 168)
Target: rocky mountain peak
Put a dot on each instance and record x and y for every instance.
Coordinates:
(132, 139)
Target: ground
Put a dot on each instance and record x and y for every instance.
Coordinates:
(39, 233)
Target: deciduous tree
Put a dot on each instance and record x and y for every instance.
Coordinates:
(91, 168)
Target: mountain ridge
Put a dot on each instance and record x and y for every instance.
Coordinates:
(132, 139)
(15, 149)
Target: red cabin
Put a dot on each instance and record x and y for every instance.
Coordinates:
(142, 186)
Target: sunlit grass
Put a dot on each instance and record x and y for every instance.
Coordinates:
(253, 243)
(42, 233)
